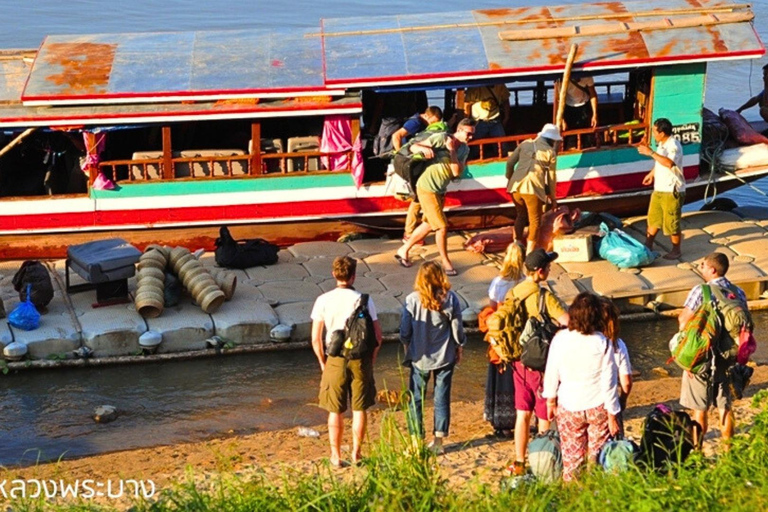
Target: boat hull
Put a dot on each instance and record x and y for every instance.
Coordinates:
(382, 216)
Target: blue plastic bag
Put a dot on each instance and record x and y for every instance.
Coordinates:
(622, 250)
(25, 316)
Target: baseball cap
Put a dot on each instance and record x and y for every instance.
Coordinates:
(539, 258)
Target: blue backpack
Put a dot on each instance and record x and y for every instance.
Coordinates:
(545, 457)
(618, 455)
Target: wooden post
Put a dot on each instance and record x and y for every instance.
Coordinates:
(564, 85)
(255, 169)
(355, 134)
(16, 141)
(90, 148)
(168, 170)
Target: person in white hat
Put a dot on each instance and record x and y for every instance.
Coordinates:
(532, 181)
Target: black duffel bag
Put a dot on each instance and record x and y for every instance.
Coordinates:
(231, 253)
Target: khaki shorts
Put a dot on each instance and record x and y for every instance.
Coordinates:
(700, 393)
(432, 209)
(665, 211)
(342, 378)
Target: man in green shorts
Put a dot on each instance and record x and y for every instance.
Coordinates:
(668, 195)
(342, 377)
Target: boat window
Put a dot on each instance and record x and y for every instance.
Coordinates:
(622, 108)
(220, 149)
(42, 163)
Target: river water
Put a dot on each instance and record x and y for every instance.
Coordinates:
(47, 414)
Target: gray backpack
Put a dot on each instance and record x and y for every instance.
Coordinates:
(545, 458)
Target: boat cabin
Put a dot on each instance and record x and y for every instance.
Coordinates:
(121, 132)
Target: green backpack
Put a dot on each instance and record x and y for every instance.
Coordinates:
(735, 315)
(506, 325)
(690, 348)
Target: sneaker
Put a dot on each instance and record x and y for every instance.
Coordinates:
(516, 469)
(405, 241)
(436, 448)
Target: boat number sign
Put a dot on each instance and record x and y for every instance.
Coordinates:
(687, 133)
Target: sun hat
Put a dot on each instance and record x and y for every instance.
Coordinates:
(550, 131)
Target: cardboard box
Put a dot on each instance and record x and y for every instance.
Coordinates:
(573, 248)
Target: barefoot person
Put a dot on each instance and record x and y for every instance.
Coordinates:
(342, 377)
(668, 195)
(433, 335)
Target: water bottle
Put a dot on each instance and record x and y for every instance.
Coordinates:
(308, 432)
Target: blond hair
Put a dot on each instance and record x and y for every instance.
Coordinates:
(432, 285)
(610, 319)
(512, 266)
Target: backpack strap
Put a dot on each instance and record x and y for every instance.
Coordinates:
(706, 293)
(543, 313)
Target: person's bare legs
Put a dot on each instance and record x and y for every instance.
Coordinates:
(419, 234)
(699, 417)
(522, 427)
(359, 423)
(544, 425)
(335, 433)
(675, 252)
(441, 240)
(727, 423)
(650, 236)
(412, 218)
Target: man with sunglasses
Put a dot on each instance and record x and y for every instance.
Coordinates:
(448, 158)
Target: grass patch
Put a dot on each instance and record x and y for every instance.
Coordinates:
(393, 480)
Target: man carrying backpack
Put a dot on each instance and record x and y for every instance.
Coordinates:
(344, 374)
(447, 156)
(528, 383)
(710, 387)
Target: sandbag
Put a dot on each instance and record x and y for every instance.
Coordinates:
(495, 240)
(740, 129)
(622, 250)
(556, 222)
(743, 157)
(34, 274)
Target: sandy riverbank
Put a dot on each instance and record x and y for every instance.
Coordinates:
(470, 454)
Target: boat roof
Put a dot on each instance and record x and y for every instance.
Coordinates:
(490, 43)
(175, 66)
(120, 78)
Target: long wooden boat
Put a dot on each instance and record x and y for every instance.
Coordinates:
(202, 129)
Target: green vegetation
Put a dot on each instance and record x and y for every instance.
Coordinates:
(391, 480)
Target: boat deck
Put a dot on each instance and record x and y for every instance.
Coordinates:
(284, 293)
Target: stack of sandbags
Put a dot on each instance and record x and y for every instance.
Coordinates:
(151, 283)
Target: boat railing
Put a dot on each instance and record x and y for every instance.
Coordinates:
(219, 166)
(540, 92)
(615, 135)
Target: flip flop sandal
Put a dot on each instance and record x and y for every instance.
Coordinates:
(451, 272)
(404, 262)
